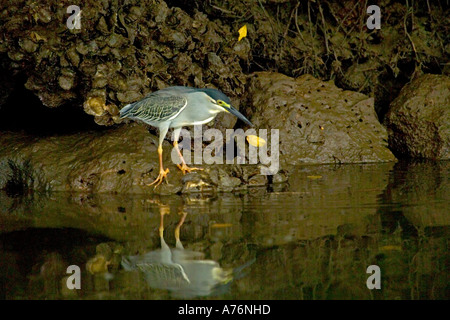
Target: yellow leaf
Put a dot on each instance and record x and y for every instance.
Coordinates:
(37, 37)
(242, 32)
(391, 248)
(314, 177)
(221, 225)
(256, 141)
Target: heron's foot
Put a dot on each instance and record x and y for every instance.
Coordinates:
(162, 175)
(183, 167)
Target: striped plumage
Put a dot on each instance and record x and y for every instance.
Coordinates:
(155, 108)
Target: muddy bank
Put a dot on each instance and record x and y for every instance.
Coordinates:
(122, 160)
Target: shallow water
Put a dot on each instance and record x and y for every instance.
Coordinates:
(312, 238)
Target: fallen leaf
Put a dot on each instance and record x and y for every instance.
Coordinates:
(242, 32)
(221, 225)
(37, 37)
(314, 177)
(256, 141)
(391, 248)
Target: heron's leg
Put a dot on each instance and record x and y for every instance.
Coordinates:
(162, 173)
(183, 167)
(177, 229)
(163, 210)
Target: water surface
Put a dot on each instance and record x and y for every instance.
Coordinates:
(312, 238)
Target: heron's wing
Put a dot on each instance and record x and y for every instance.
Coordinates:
(158, 106)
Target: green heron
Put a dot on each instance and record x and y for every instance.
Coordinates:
(175, 107)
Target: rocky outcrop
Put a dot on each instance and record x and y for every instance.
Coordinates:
(317, 122)
(123, 50)
(418, 120)
(122, 160)
(120, 53)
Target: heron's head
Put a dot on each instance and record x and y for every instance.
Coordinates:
(218, 98)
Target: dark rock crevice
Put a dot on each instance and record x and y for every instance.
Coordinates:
(23, 111)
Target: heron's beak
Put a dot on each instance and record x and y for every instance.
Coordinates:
(233, 111)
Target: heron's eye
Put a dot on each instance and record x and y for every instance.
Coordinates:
(221, 103)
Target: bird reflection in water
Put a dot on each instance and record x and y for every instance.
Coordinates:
(183, 272)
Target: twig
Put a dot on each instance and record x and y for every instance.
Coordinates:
(223, 10)
(280, 49)
(407, 33)
(324, 28)
(345, 18)
(268, 17)
(296, 23)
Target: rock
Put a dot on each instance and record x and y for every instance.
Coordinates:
(67, 79)
(120, 160)
(227, 183)
(129, 96)
(95, 105)
(418, 120)
(44, 15)
(28, 45)
(279, 178)
(258, 180)
(317, 122)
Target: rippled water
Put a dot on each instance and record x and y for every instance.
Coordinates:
(312, 238)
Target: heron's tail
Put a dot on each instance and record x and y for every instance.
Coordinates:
(126, 111)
